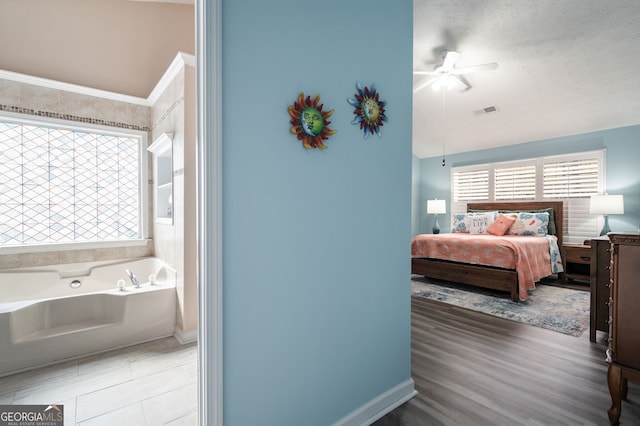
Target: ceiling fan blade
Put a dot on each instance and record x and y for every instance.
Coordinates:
(463, 82)
(475, 68)
(425, 84)
(450, 60)
(426, 73)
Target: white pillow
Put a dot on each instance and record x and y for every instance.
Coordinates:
(478, 223)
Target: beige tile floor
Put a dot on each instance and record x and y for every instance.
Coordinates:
(150, 384)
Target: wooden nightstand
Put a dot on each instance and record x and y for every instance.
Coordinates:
(577, 262)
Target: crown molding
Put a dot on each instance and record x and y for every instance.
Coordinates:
(69, 87)
(176, 65)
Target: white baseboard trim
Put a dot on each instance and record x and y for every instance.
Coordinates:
(380, 405)
(185, 337)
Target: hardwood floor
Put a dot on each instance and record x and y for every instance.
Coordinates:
(469, 369)
(475, 369)
(153, 383)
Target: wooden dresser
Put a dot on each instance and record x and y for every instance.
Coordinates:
(623, 354)
(599, 280)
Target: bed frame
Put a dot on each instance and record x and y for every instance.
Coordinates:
(486, 276)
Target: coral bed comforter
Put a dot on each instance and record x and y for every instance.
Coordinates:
(529, 256)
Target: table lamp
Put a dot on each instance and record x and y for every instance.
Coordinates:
(436, 207)
(605, 205)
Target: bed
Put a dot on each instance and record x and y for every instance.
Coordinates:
(509, 278)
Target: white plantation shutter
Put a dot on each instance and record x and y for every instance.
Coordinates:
(515, 183)
(571, 178)
(575, 180)
(579, 225)
(469, 185)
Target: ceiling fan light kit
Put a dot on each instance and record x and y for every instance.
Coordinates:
(446, 75)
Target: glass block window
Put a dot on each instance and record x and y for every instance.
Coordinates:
(62, 185)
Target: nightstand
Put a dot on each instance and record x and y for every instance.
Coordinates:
(577, 262)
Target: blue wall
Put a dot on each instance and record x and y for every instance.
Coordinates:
(315, 244)
(622, 170)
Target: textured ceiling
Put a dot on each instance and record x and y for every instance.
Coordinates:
(565, 67)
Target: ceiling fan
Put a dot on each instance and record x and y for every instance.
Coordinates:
(447, 75)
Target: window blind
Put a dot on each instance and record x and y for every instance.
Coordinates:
(571, 178)
(515, 183)
(471, 185)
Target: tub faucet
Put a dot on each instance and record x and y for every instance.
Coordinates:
(134, 280)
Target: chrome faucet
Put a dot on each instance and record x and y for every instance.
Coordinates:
(134, 280)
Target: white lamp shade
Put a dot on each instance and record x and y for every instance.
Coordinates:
(606, 204)
(436, 207)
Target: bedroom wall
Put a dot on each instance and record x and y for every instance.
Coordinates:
(315, 254)
(622, 172)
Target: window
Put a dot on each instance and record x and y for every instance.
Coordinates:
(470, 185)
(571, 178)
(63, 184)
(515, 183)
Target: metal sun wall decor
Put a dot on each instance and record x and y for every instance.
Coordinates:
(369, 110)
(309, 122)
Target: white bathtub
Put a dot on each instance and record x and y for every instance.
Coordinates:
(49, 314)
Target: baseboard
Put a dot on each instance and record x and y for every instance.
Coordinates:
(185, 337)
(380, 405)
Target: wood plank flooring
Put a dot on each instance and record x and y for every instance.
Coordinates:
(469, 369)
(475, 369)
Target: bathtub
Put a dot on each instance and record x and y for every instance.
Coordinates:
(54, 313)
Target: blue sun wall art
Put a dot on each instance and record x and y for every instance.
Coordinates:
(369, 110)
(309, 122)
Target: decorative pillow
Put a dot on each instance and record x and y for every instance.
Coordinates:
(460, 223)
(502, 224)
(533, 224)
(479, 222)
(551, 228)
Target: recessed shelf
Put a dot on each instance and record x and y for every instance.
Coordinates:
(162, 152)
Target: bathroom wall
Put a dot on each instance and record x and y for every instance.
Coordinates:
(174, 112)
(34, 99)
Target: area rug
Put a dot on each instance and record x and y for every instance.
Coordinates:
(548, 306)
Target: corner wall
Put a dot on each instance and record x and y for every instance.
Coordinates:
(316, 253)
(175, 243)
